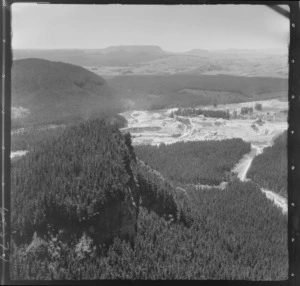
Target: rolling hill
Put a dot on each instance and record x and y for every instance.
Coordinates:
(45, 91)
(183, 90)
(111, 56)
(151, 59)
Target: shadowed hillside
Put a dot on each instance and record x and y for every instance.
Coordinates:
(96, 191)
(49, 91)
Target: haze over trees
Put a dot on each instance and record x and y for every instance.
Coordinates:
(110, 56)
(55, 91)
(186, 90)
(87, 204)
(149, 59)
(26, 139)
(45, 92)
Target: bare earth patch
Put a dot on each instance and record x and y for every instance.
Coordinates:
(274, 122)
(259, 128)
(19, 153)
(19, 112)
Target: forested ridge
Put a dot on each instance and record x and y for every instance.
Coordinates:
(173, 90)
(236, 234)
(26, 138)
(69, 179)
(56, 91)
(270, 168)
(200, 162)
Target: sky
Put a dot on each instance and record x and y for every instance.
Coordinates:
(177, 28)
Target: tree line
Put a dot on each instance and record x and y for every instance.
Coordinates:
(236, 234)
(191, 111)
(69, 177)
(182, 233)
(200, 162)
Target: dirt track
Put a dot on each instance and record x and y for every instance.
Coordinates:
(200, 128)
(170, 130)
(244, 164)
(242, 168)
(277, 199)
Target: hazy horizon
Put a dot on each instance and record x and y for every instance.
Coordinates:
(192, 49)
(178, 28)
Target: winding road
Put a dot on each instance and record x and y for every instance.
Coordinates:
(242, 168)
(244, 164)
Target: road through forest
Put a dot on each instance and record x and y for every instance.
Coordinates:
(243, 167)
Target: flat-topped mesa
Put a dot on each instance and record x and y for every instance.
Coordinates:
(133, 48)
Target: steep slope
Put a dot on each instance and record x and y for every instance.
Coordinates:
(79, 181)
(46, 91)
(84, 181)
(86, 187)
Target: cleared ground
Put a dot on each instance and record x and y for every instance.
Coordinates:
(19, 153)
(260, 128)
(155, 127)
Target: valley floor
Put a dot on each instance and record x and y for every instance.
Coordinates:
(217, 234)
(155, 127)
